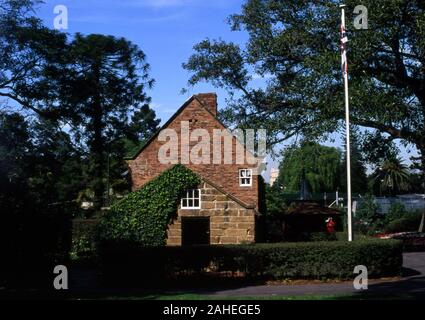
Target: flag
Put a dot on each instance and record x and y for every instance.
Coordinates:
(344, 40)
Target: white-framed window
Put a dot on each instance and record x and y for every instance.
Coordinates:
(245, 177)
(192, 199)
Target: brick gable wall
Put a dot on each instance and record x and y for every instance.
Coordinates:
(146, 165)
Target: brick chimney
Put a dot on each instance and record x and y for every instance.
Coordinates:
(209, 100)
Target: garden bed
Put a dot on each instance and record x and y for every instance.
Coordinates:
(412, 241)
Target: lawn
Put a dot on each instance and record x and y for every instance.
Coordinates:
(191, 296)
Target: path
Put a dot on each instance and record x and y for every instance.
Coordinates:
(413, 282)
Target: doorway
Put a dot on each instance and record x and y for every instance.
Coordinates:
(195, 230)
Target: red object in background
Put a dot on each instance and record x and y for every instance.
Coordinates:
(330, 225)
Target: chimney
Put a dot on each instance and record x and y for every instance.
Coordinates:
(209, 100)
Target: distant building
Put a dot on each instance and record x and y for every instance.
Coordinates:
(274, 173)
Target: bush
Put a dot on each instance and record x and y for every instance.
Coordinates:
(322, 236)
(396, 211)
(143, 216)
(308, 260)
(409, 222)
(367, 210)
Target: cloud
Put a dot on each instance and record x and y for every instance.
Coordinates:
(257, 76)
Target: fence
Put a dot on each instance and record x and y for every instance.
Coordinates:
(412, 202)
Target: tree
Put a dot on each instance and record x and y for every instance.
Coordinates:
(295, 45)
(392, 176)
(105, 89)
(31, 59)
(358, 167)
(317, 165)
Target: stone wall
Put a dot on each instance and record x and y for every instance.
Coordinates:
(230, 222)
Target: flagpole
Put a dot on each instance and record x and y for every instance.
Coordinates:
(347, 131)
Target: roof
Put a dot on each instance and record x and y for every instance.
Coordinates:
(310, 208)
(152, 138)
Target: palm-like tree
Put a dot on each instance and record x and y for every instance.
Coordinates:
(392, 176)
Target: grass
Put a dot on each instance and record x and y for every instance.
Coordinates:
(195, 297)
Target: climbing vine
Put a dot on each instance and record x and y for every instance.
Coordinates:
(143, 215)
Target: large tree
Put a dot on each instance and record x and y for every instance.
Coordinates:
(294, 45)
(359, 182)
(105, 91)
(31, 58)
(316, 165)
(91, 87)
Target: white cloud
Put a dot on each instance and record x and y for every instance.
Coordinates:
(257, 76)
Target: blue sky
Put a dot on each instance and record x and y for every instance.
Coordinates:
(166, 30)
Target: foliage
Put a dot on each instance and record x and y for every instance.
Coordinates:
(358, 166)
(143, 215)
(275, 200)
(81, 247)
(366, 219)
(294, 46)
(106, 79)
(316, 164)
(308, 260)
(397, 210)
(94, 85)
(391, 177)
(49, 127)
(29, 53)
(408, 222)
(367, 209)
(322, 236)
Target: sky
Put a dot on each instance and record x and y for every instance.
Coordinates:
(166, 30)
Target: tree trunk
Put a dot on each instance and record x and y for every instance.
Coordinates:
(97, 145)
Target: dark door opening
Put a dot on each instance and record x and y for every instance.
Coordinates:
(195, 230)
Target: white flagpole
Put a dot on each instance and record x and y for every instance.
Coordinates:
(347, 122)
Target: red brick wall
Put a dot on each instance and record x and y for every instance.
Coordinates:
(226, 176)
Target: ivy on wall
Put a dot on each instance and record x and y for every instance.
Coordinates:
(143, 215)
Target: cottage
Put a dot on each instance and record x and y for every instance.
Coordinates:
(225, 206)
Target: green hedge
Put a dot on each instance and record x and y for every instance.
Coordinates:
(307, 260)
(143, 216)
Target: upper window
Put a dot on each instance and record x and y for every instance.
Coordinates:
(192, 199)
(245, 177)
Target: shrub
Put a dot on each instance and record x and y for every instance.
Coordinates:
(396, 211)
(322, 236)
(409, 222)
(143, 216)
(367, 210)
(307, 260)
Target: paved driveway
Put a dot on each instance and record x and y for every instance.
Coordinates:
(413, 282)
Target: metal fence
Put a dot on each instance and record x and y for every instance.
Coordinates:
(412, 202)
